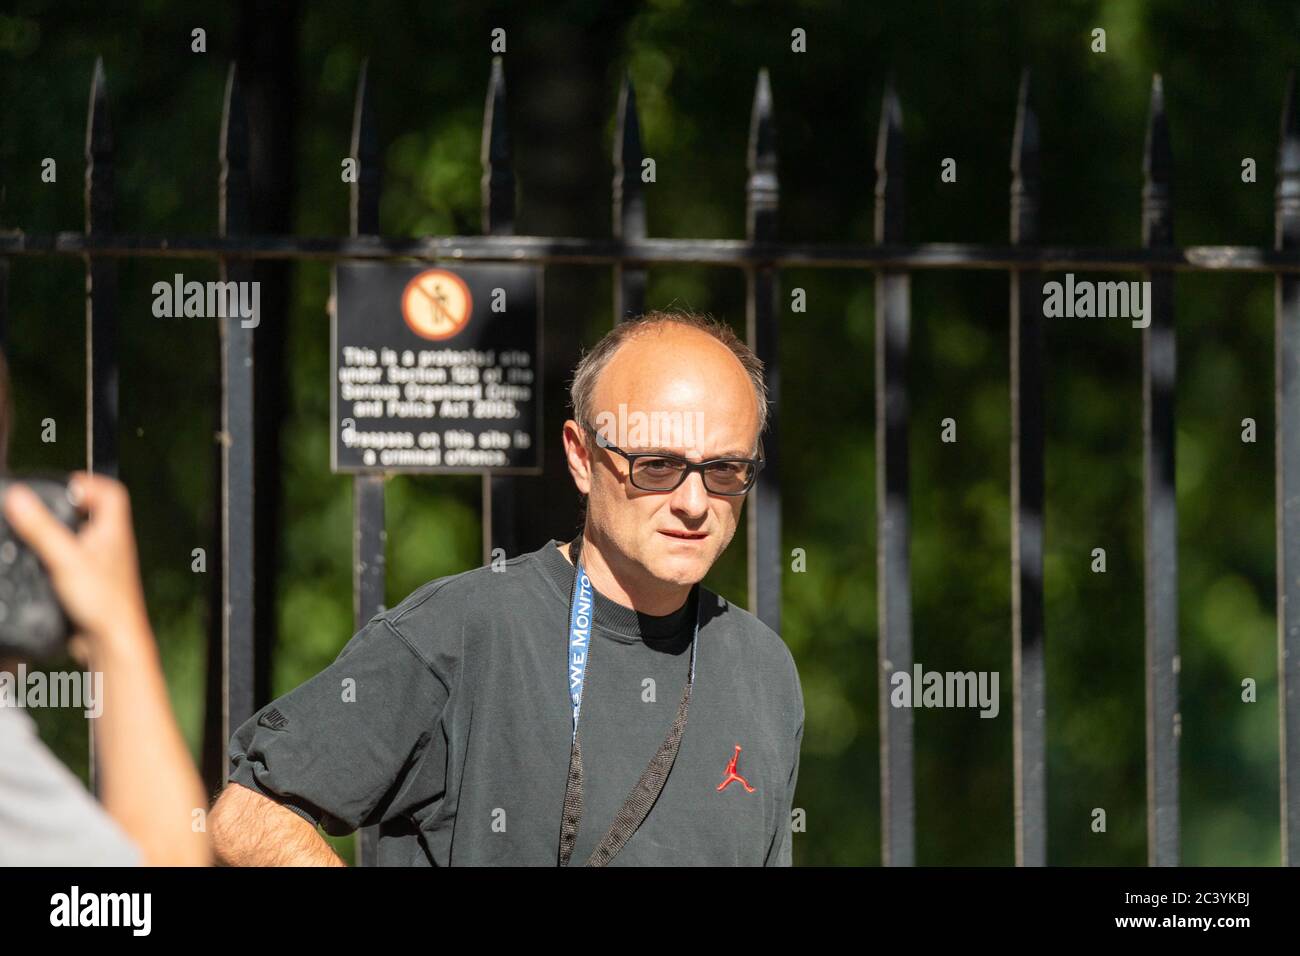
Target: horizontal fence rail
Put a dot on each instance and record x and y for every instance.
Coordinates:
(734, 253)
(761, 255)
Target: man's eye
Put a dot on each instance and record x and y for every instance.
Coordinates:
(726, 469)
(659, 466)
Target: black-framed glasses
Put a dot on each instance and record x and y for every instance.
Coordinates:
(656, 471)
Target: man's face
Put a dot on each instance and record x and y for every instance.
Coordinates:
(679, 391)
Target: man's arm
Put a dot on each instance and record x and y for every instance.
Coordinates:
(334, 752)
(249, 829)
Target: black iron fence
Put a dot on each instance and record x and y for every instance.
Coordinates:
(761, 255)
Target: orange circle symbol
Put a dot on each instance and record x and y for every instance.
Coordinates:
(436, 304)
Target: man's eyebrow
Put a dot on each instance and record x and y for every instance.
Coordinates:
(677, 454)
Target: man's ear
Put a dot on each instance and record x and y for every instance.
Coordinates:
(578, 456)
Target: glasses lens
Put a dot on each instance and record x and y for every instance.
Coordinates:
(657, 474)
(728, 477)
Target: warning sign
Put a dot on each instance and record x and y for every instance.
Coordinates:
(435, 368)
(436, 304)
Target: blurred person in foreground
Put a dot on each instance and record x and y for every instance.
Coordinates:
(150, 790)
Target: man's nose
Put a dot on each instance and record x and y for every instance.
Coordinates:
(691, 497)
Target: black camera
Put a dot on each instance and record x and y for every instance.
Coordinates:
(33, 625)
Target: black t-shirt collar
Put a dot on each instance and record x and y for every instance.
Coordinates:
(618, 621)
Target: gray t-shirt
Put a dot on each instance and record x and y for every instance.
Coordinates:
(46, 816)
(447, 721)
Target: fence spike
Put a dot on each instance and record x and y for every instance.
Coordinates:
(234, 195)
(762, 129)
(763, 188)
(1157, 171)
(99, 155)
(889, 168)
(1288, 151)
(1157, 155)
(99, 132)
(629, 199)
(1024, 148)
(364, 194)
(498, 184)
(1024, 167)
(234, 122)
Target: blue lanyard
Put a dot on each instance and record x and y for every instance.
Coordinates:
(580, 625)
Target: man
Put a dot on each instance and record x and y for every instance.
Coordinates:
(152, 795)
(449, 720)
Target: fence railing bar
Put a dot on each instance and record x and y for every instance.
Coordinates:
(101, 286)
(730, 253)
(1287, 397)
(4, 298)
(500, 492)
(101, 310)
(628, 202)
(237, 490)
(762, 331)
(894, 575)
(1159, 372)
(368, 534)
(1029, 703)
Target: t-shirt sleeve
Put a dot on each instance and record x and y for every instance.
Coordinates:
(337, 749)
(47, 818)
(780, 851)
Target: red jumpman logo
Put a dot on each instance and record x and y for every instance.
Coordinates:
(732, 775)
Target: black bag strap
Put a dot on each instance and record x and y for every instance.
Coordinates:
(639, 802)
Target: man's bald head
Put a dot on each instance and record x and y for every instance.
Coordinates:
(664, 341)
(675, 384)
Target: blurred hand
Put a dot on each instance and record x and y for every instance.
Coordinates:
(94, 572)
